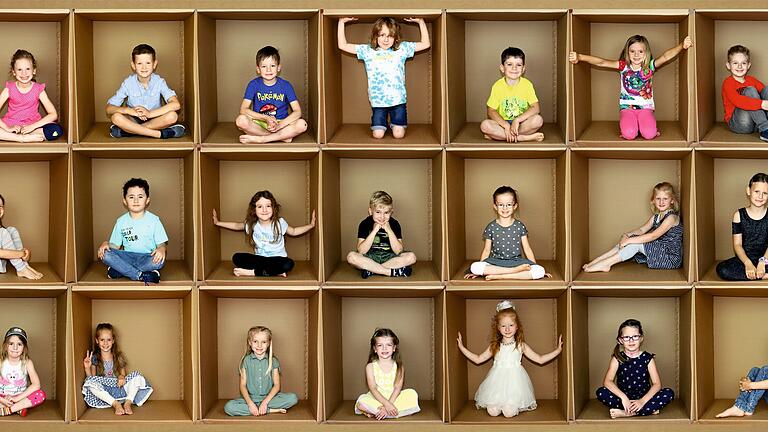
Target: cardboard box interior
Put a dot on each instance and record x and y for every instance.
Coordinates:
(666, 318)
(103, 44)
(291, 315)
(346, 108)
(228, 181)
(230, 41)
(716, 32)
(37, 207)
(164, 359)
(98, 180)
(473, 57)
(350, 317)
(595, 91)
(46, 36)
(543, 315)
(538, 176)
(600, 214)
(415, 185)
(42, 313)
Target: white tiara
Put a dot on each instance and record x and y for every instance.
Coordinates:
(504, 304)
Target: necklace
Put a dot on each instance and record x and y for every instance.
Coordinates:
(507, 343)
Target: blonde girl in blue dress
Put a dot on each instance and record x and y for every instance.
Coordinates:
(384, 375)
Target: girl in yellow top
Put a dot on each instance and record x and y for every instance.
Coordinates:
(384, 375)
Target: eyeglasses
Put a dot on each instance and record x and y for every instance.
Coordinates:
(631, 338)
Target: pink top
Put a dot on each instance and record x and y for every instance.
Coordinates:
(22, 107)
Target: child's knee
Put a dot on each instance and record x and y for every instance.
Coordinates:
(171, 117)
(535, 121)
(478, 268)
(378, 133)
(353, 258)
(301, 125)
(629, 131)
(751, 92)
(242, 121)
(537, 271)
(486, 126)
(649, 132)
(409, 257)
(398, 132)
(117, 117)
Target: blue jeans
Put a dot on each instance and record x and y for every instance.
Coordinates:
(398, 116)
(748, 400)
(130, 264)
(746, 122)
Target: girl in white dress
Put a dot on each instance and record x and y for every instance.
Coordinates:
(507, 388)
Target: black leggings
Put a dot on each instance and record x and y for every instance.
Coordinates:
(733, 269)
(263, 266)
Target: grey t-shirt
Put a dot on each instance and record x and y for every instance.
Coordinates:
(505, 240)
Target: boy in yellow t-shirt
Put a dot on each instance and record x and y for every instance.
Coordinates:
(513, 108)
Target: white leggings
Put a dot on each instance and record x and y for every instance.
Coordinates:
(131, 388)
(11, 240)
(478, 268)
(630, 250)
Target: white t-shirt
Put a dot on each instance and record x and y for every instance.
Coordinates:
(264, 238)
(13, 378)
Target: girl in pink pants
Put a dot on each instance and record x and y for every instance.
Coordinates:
(636, 66)
(19, 383)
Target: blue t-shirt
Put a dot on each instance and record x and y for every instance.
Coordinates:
(270, 100)
(138, 235)
(386, 73)
(266, 244)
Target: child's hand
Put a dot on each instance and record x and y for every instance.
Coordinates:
(5, 402)
(158, 255)
(687, 42)
(560, 343)
(760, 270)
(745, 384)
(264, 407)
(142, 113)
(26, 254)
(636, 405)
(26, 129)
(751, 271)
(344, 20)
(460, 341)
(215, 218)
(314, 219)
(471, 276)
(508, 132)
(414, 20)
(514, 128)
(391, 409)
(253, 409)
(272, 124)
(573, 57)
(381, 413)
(623, 242)
(87, 362)
(625, 402)
(120, 381)
(103, 249)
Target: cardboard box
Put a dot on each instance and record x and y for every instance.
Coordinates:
(413, 179)
(543, 313)
(46, 34)
(729, 342)
(611, 194)
(228, 180)
(37, 203)
(160, 345)
(666, 314)
(716, 31)
(539, 177)
(473, 58)
(228, 40)
(346, 109)
(350, 316)
(42, 312)
(595, 91)
(291, 314)
(103, 43)
(722, 177)
(98, 178)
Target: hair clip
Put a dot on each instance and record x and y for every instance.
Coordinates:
(504, 304)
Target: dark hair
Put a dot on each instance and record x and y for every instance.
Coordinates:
(267, 52)
(738, 49)
(394, 31)
(501, 190)
(372, 356)
(135, 182)
(512, 52)
(23, 54)
(758, 178)
(1, 218)
(617, 351)
(251, 219)
(142, 49)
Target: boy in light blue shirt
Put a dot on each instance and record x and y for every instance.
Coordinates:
(143, 113)
(137, 247)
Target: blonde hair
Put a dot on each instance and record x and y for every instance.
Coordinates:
(635, 39)
(394, 29)
(667, 188)
(380, 198)
(252, 331)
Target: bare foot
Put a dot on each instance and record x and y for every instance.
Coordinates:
(245, 139)
(538, 136)
(243, 272)
(118, 408)
(29, 273)
(285, 275)
(127, 407)
(619, 413)
(733, 412)
(471, 276)
(598, 268)
(488, 137)
(287, 140)
(277, 411)
(31, 138)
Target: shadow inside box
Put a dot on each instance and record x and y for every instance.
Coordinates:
(547, 411)
(303, 272)
(99, 134)
(721, 134)
(416, 134)
(594, 410)
(153, 410)
(48, 411)
(607, 132)
(172, 271)
(632, 272)
(49, 275)
(302, 411)
(228, 133)
(471, 134)
(719, 405)
(345, 412)
(550, 266)
(423, 271)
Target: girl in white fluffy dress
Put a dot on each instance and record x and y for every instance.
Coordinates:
(507, 389)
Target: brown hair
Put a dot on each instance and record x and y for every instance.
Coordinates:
(667, 188)
(251, 219)
(24, 352)
(496, 337)
(618, 351)
(394, 30)
(738, 49)
(22, 54)
(118, 358)
(372, 356)
(635, 39)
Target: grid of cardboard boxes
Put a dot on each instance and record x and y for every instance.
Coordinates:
(579, 189)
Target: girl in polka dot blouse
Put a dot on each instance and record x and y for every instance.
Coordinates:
(632, 386)
(506, 238)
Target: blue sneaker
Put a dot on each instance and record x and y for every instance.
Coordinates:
(116, 132)
(366, 274)
(113, 274)
(764, 135)
(174, 131)
(150, 277)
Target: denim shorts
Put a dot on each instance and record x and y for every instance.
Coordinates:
(398, 116)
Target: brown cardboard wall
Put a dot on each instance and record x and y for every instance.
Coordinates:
(731, 177)
(27, 204)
